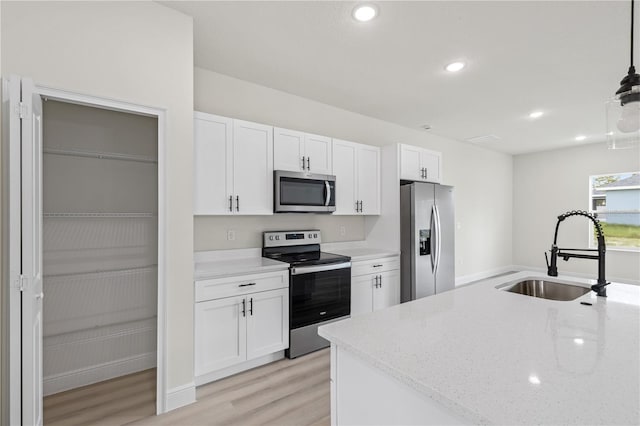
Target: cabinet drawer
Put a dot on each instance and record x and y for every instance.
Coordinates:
(374, 266)
(242, 284)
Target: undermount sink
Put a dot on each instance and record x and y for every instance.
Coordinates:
(547, 289)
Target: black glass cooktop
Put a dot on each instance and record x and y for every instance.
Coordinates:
(300, 257)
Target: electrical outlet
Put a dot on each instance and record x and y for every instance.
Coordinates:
(231, 235)
(343, 231)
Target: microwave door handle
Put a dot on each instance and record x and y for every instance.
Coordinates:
(328, 192)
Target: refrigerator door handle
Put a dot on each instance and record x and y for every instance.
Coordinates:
(432, 231)
(438, 239)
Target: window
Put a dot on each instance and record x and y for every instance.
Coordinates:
(615, 199)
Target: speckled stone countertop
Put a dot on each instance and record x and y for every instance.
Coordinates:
(496, 357)
(239, 266)
(363, 253)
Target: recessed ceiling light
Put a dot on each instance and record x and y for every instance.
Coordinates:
(455, 66)
(365, 12)
(580, 138)
(534, 380)
(536, 114)
(578, 341)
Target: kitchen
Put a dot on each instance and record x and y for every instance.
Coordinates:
(493, 189)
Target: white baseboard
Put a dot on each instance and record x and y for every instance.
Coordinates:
(235, 369)
(181, 396)
(98, 373)
(467, 279)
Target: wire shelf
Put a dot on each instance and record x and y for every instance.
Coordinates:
(105, 215)
(100, 155)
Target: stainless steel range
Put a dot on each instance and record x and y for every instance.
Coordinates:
(319, 286)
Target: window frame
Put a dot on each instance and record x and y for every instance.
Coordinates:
(592, 241)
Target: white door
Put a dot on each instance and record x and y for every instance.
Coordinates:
(32, 293)
(344, 168)
(369, 179)
(410, 163)
(388, 291)
(220, 334)
(288, 150)
(267, 322)
(317, 149)
(361, 294)
(212, 137)
(252, 168)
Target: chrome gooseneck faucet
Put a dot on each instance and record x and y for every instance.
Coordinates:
(566, 254)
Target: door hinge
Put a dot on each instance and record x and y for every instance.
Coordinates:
(22, 110)
(22, 281)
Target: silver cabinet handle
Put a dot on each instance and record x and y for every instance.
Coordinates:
(303, 166)
(378, 265)
(246, 285)
(251, 306)
(308, 163)
(375, 281)
(230, 203)
(244, 308)
(356, 205)
(361, 206)
(237, 203)
(380, 280)
(426, 173)
(328, 191)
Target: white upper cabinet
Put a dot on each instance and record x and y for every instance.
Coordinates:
(288, 150)
(233, 166)
(318, 151)
(212, 179)
(252, 168)
(357, 170)
(301, 152)
(420, 164)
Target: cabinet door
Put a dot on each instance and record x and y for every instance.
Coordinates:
(318, 150)
(220, 334)
(369, 179)
(345, 170)
(388, 292)
(410, 163)
(252, 168)
(288, 149)
(267, 322)
(362, 294)
(431, 162)
(211, 157)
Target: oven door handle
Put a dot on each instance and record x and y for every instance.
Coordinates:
(320, 268)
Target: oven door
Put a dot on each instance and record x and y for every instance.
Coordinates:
(303, 193)
(319, 293)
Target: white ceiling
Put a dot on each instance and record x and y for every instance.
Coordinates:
(563, 57)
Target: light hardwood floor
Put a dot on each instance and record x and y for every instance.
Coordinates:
(286, 392)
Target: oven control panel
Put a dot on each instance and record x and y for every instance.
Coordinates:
(291, 238)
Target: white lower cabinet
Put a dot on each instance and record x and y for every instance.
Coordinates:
(230, 331)
(372, 290)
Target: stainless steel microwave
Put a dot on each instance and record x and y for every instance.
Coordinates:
(296, 192)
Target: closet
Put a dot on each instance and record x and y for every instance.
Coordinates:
(100, 240)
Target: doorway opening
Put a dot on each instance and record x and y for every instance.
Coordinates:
(100, 262)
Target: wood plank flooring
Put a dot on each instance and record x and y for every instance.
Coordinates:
(286, 392)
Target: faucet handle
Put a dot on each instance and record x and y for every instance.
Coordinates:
(546, 260)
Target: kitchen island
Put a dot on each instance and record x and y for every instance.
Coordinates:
(482, 355)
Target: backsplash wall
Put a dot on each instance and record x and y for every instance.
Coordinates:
(211, 231)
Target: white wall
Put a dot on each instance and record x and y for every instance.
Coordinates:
(547, 184)
(139, 52)
(483, 178)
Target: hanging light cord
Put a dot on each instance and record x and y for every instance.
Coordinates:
(632, 15)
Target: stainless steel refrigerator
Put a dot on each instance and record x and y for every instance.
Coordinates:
(427, 225)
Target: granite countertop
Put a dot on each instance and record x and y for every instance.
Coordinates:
(492, 356)
(363, 253)
(236, 266)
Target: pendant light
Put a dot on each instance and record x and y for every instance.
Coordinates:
(623, 111)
